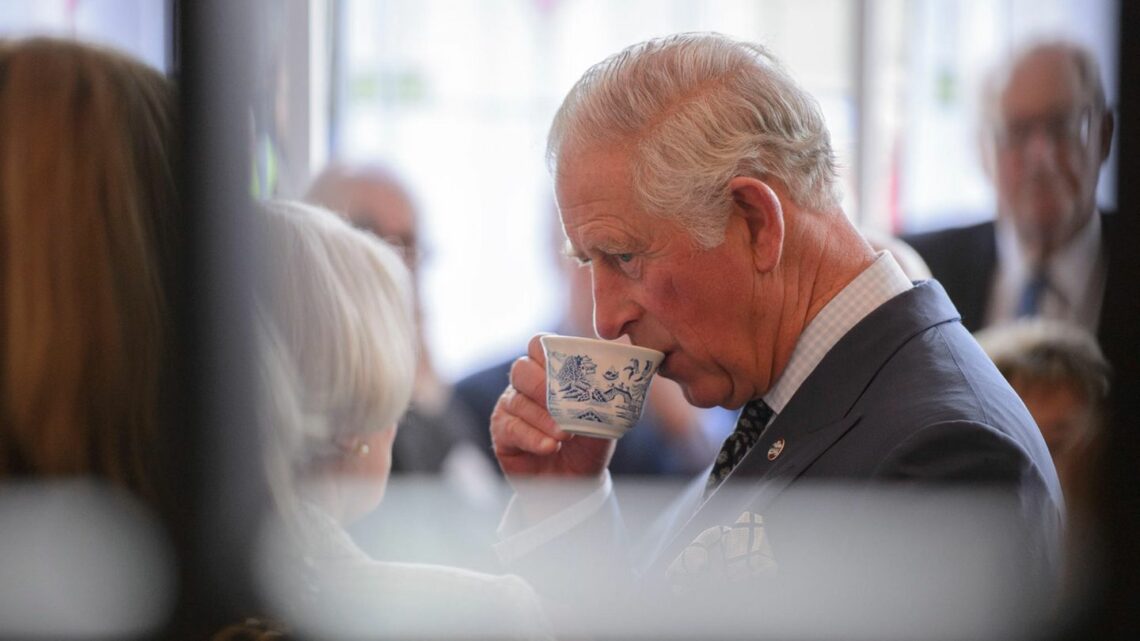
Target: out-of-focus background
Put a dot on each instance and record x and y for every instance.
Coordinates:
(456, 98)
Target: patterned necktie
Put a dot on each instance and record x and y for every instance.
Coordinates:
(1030, 302)
(752, 422)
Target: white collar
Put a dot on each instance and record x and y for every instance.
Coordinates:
(1071, 268)
(875, 285)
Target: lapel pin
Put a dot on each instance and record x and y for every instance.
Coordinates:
(775, 450)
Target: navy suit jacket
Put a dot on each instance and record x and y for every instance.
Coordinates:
(906, 399)
(964, 260)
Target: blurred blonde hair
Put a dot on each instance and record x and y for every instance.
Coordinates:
(87, 200)
(337, 334)
(1035, 351)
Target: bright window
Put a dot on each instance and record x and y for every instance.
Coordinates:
(457, 97)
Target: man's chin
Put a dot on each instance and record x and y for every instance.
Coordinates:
(698, 396)
(1045, 208)
(698, 390)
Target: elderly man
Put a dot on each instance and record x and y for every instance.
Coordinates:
(697, 181)
(1049, 254)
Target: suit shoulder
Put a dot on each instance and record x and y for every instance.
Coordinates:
(958, 450)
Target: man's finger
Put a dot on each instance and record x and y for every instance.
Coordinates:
(523, 407)
(534, 349)
(529, 378)
(511, 435)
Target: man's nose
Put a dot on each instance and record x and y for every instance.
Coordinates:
(1041, 148)
(614, 310)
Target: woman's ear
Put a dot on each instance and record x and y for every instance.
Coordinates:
(759, 206)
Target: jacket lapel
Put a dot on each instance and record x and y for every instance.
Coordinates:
(758, 480)
(819, 414)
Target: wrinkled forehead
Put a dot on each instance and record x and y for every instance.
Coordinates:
(587, 175)
(597, 204)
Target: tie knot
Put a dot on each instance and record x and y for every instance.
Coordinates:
(756, 414)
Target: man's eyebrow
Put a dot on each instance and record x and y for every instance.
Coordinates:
(570, 251)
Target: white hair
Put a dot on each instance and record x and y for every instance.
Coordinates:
(336, 329)
(696, 110)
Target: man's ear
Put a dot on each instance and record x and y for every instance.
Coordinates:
(759, 206)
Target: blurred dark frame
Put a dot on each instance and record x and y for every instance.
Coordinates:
(1116, 614)
(212, 452)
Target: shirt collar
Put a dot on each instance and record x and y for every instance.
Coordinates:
(875, 285)
(1012, 262)
(1070, 269)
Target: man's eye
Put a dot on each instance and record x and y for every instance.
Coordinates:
(628, 263)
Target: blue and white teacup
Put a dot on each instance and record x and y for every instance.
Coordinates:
(595, 387)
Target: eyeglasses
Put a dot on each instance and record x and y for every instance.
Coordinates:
(406, 245)
(408, 249)
(1070, 129)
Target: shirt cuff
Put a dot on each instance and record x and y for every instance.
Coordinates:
(517, 539)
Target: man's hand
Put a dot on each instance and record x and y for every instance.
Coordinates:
(527, 441)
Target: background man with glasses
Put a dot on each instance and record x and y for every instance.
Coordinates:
(1050, 253)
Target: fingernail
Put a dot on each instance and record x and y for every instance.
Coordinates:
(548, 443)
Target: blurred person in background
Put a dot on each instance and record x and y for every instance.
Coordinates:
(439, 435)
(88, 140)
(672, 437)
(86, 200)
(1061, 374)
(338, 357)
(1050, 253)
